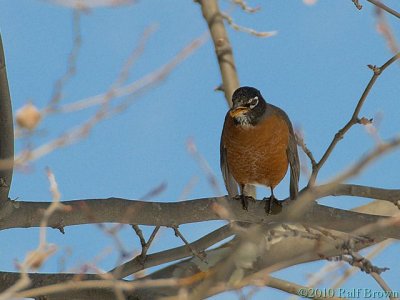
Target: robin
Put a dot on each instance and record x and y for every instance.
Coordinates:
(257, 145)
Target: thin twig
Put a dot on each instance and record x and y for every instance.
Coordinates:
(139, 233)
(134, 88)
(169, 255)
(385, 8)
(245, 7)
(310, 194)
(357, 260)
(149, 241)
(71, 63)
(384, 286)
(353, 120)
(251, 31)
(204, 165)
(303, 146)
(357, 4)
(365, 265)
(350, 271)
(192, 249)
(34, 259)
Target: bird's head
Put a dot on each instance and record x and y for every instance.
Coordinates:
(248, 106)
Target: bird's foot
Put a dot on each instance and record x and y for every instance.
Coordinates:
(269, 203)
(245, 200)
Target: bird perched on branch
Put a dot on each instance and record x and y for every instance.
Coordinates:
(257, 146)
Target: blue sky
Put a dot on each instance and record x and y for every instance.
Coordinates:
(314, 68)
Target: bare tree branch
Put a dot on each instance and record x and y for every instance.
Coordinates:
(245, 7)
(6, 129)
(384, 7)
(251, 31)
(354, 118)
(390, 195)
(260, 279)
(230, 81)
(223, 49)
(170, 255)
(132, 89)
(23, 214)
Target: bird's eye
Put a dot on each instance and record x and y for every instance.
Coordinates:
(253, 102)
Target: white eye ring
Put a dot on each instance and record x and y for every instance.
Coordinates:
(253, 102)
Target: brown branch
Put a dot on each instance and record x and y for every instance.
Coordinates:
(282, 251)
(261, 279)
(230, 81)
(250, 31)
(223, 49)
(384, 7)
(303, 146)
(357, 4)
(194, 252)
(310, 194)
(23, 214)
(390, 195)
(365, 265)
(6, 130)
(281, 254)
(142, 257)
(382, 283)
(278, 252)
(245, 7)
(353, 120)
(170, 255)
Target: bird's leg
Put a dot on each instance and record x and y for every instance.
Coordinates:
(243, 198)
(270, 201)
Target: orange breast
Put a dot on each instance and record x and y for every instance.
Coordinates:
(257, 155)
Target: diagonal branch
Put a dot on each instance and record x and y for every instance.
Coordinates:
(170, 255)
(354, 118)
(6, 129)
(385, 7)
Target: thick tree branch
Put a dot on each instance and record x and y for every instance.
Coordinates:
(278, 253)
(6, 130)
(29, 214)
(223, 269)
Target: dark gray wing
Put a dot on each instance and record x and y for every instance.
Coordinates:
(294, 164)
(230, 183)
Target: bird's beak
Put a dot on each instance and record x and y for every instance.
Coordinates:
(238, 111)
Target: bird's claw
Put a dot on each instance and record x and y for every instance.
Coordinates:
(269, 203)
(245, 200)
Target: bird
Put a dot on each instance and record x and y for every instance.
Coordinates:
(257, 147)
